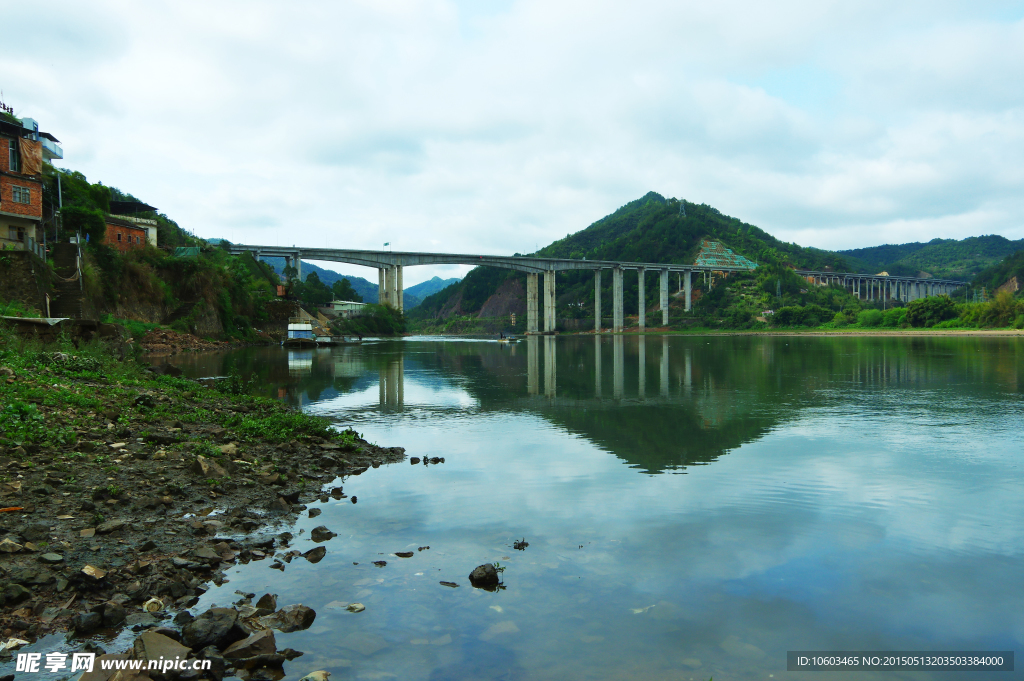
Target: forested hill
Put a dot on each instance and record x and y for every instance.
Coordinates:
(656, 229)
(997, 275)
(944, 258)
(649, 229)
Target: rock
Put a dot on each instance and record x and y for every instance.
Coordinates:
(148, 545)
(206, 468)
(279, 505)
(94, 572)
(260, 643)
(290, 618)
(110, 526)
(267, 602)
(209, 628)
(207, 554)
(315, 555)
(31, 575)
(217, 663)
(484, 576)
(154, 646)
(142, 620)
(414, 460)
(87, 532)
(87, 622)
(230, 449)
(355, 607)
(15, 593)
(113, 613)
(403, 554)
(316, 676)
(291, 496)
(37, 532)
(321, 533)
(9, 546)
(51, 558)
(314, 512)
(380, 563)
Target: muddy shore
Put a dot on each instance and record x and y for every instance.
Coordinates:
(126, 490)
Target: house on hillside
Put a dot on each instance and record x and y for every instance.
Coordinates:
(346, 308)
(22, 152)
(124, 235)
(128, 211)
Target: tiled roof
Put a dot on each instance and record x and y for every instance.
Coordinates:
(715, 254)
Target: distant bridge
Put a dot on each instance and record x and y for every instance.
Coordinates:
(390, 264)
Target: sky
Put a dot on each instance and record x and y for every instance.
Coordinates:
(498, 126)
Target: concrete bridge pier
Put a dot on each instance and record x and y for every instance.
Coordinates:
(597, 367)
(617, 299)
(287, 261)
(597, 300)
(531, 302)
(549, 301)
(663, 298)
(389, 287)
(298, 265)
(382, 290)
(399, 293)
(688, 287)
(642, 318)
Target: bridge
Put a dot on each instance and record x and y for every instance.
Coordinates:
(390, 265)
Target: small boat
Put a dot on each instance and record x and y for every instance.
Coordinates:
(508, 339)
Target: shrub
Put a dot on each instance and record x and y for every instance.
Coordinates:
(870, 318)
(894, 317)
(926, 312)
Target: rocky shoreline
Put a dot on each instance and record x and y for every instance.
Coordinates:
(125, 491)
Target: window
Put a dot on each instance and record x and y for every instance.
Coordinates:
(13, 150)
(21, 195)
(12, 234)
(119, 236)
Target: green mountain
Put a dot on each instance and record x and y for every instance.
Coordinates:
(649, 229)
(943, 258)
(427, 288)
(995, 276)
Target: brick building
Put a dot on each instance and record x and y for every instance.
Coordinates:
(124, 235)
(22, 151)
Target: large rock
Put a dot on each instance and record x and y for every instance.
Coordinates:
(110, 526)
(207, 468)
(315, 555)
(154, 646)
(260, 643)
(484, 576)
(87, 622)
(290, 618)
(15, 593)
(321, 533)
(210, 628)
(113, 613)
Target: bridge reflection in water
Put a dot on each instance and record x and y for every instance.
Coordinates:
(618, 343)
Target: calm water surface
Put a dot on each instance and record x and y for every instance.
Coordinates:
(693, 506)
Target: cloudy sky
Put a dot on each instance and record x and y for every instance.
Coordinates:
(497, 126)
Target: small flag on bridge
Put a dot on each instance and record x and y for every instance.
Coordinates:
(388, 243)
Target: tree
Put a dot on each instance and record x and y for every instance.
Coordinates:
(343, 290)
(930, 311)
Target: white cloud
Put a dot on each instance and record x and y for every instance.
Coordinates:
(500, 126)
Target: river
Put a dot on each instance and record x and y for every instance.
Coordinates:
(693, 506)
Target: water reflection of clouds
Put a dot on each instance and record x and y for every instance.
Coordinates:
(868, 518)
(416, 393)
